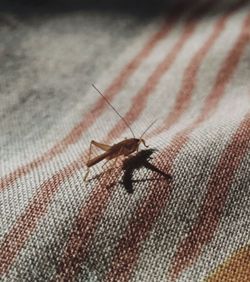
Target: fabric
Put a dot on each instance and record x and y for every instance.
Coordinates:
(176, 211)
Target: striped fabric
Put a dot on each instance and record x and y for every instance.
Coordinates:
(189, 69)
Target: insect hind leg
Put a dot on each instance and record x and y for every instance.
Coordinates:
(86, 174)
(101, 146)
(89, 156)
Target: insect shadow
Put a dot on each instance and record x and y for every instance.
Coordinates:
(138, 161)
(130, 165)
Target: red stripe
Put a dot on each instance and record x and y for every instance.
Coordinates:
(190, 79)
(90, 117)
(152, 206)
(79, 241)
(47, 185)
(212, 208)
(13, 242)
(16, 238)
(208, 220)
(83, 230)
(140, 99)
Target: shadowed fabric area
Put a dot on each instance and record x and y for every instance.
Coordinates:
(178, 210)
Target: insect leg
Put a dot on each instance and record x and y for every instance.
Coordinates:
(112, 166)
(86, 174)
(103, 147)
(89, 157)
(90, 149)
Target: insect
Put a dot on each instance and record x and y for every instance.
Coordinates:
(123, 148)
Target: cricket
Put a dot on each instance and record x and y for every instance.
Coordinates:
(112, 152)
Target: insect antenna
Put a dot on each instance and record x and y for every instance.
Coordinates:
(151, 124)
(107, 101)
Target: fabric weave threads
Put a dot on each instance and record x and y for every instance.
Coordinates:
(218, 185)
(171, 154)
(79, 129)
(55, 227)
(163, 66)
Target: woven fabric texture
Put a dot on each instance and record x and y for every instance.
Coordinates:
(178, 210)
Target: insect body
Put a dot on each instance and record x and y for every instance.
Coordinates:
(123, 148)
